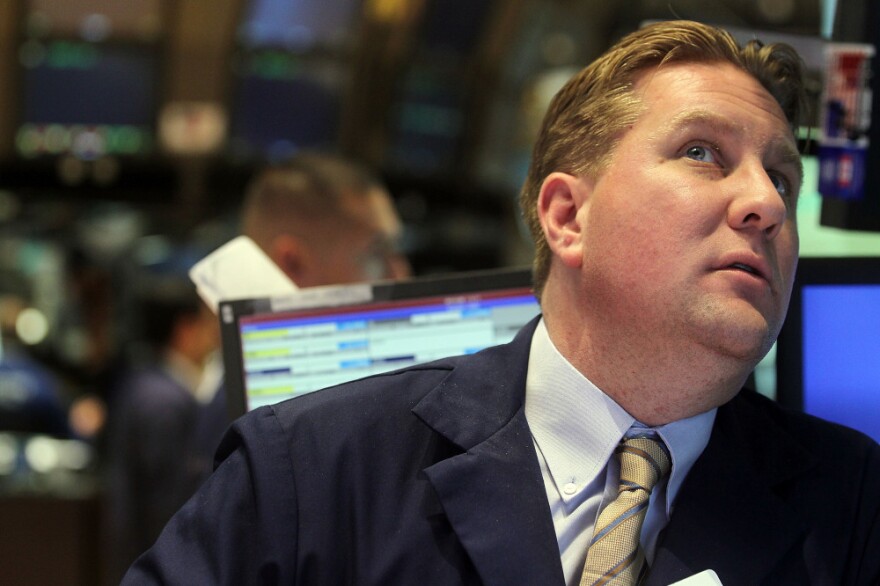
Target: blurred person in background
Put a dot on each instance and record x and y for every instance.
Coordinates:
(153, 462)
(323, 220)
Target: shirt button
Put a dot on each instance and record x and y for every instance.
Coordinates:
(570, 488)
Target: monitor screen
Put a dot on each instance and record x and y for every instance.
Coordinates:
(298, 24)
(290, 73)
(283, 103)
(278, 348)
(88, 99)
(828, 353)
(454, 27)
(427, 120)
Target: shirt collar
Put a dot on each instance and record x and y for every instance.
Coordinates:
(686, 439)
(576, 426)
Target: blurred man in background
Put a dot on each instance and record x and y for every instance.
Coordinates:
(154, 460)
(324, 221)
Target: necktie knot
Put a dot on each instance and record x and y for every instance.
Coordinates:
(643, 462)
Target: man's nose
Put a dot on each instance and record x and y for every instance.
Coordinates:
(757, 204)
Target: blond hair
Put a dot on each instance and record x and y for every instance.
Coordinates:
(587, 116)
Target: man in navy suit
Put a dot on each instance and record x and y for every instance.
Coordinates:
(661, 197)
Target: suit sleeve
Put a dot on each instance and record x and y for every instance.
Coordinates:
(240, 527)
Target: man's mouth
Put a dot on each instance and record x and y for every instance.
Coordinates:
(744, 267)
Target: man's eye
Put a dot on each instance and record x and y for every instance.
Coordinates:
(781, 184)
(701, 153)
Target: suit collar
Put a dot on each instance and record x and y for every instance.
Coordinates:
(493, 494)
(728, 517)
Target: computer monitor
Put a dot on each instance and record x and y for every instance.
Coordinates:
(291, 70)
(298, 25)
(87, 99)
(277, 348)
(283, 103)
(828, 353)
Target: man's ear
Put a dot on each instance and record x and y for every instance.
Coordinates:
(559, 201)
(292, 257)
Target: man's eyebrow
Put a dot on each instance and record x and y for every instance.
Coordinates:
(704, 118)
(786, 150)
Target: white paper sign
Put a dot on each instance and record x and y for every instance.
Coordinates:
(238, 270)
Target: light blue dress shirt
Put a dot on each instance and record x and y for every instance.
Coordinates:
(575, 428)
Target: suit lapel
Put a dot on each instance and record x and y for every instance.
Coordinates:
(727, 517)
(493, 493)
(498, 508)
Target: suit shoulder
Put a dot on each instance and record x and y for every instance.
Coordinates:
(346, 432)
(350, 411)
(389, 388)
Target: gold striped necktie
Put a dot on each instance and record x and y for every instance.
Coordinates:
(615, 556)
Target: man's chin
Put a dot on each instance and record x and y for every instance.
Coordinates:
(746, 346)
(744, 336)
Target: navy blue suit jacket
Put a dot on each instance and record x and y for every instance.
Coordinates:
(429, 476)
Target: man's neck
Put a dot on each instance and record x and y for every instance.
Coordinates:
(655, 381)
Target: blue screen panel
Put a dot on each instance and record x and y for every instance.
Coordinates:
(841, 358)
(298, 24)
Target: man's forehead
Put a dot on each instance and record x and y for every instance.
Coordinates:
(781, 142)
(705, 117)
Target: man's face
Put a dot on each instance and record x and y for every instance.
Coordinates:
(689, 233)
(363, 247)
